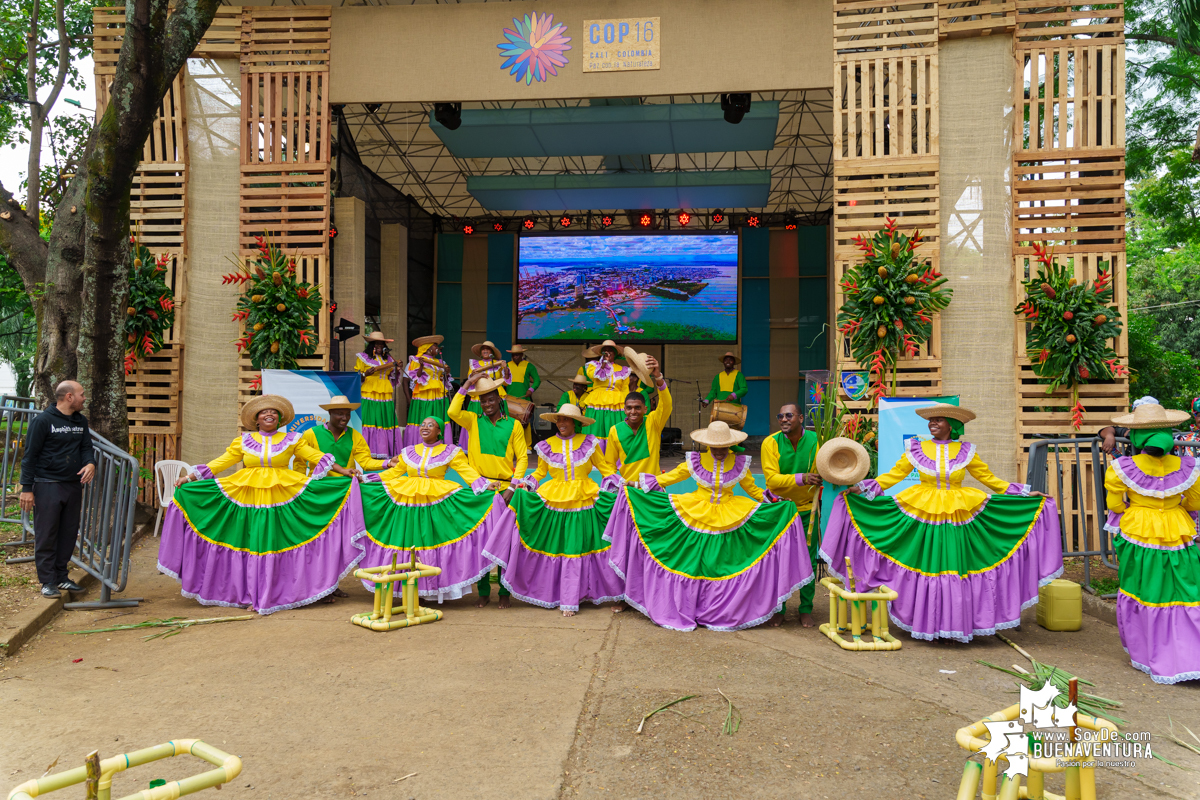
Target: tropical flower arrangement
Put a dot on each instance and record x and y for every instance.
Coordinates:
(1071, 327)
(151, 308)
(891, 298)
(276, 310)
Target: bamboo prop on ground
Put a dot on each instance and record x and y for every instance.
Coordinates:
(175, 625)
(733, 717)
(662, 708)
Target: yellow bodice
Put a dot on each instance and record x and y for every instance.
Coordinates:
(1159, 517)
(569, 463)
(420, 477)
(378, 386)
(942, 466)
(713, 506)
(610, 384)
(266, 478)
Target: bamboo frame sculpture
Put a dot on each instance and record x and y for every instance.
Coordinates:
(100, 785)
(1081, 780)
(849, 611)
(380, 617)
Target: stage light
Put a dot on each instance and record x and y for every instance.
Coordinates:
(332, 231)
(606, 221)
(498, 226)
(565, 221)
(852, 203)
(645, 220)
(468, 229)
(684, 218)
(448, 114)
(718, 217)
(752, 221)
(789, 222)
(735, 106)
(791, 226)
(372, 107)
(529, 223)
(333, 308)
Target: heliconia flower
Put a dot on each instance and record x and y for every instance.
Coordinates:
(238, 316)
(535, 48)
(163, 260)
(1042, 356)
(130, 361)
(302, 292)
(889, 224)
(147, 344)
(304, 337)
(1077, 415)
(256, 382)
(152, 314)
(166, 303)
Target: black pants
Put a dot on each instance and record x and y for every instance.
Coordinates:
(56, 511)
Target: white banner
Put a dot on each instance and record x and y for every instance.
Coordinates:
(898, 422)
(308, 390)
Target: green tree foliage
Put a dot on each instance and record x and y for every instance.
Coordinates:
(18, 328)
(1173, 378)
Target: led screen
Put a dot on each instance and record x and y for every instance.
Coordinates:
(651, 288)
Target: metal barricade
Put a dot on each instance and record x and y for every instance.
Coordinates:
(109, 503)
(1077, 484)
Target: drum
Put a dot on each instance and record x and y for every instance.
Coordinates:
(519, 409)
(732, 414)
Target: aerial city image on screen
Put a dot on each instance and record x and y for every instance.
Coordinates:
(662, 288)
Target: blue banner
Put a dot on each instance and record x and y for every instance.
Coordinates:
(898, 422)
(309, 389)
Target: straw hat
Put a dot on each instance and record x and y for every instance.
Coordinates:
(843, 462)
(1151, 415)
(483, 386)
(478, 348)
(590, 352)
(580, 378)
(570, 411)
(608, 343)
(376, 336)
(263, 402)
(637, 362)
(341, 401)
(718, 434)
(947, 411)
(516, 348)
(421, 341)
(729, 354)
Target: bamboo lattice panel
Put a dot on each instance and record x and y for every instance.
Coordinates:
(886, 105)
(976, 18)
(221, 40)
(286, 39)
(149, 449)
(158, 206)
(1037, 22)
(290, 207)
(1073, 95)
(285, 118)
(1071, 200)
(152, 392)
(865, 27)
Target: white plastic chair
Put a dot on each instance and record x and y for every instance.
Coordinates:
(165, 474)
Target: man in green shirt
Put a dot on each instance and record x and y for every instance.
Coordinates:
(579, 386)
(788, 459)
(525, 378)
(728, 386)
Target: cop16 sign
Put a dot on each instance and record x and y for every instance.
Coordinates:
(617, 45)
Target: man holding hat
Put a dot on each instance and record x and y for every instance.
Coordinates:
(634, 444)
(346, 445)
(788, 459)
(574, 396)
(496, 448)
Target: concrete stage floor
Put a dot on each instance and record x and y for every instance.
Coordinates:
(523, 703)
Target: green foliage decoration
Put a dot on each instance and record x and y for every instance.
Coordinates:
(891, 298)
(276, 308)
(151, 308)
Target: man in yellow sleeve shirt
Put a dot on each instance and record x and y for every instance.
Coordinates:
(634, 445)
(336, 437)
(788, 459)
(496, 449)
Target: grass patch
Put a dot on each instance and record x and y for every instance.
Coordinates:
(1105, 585)
(15, 580)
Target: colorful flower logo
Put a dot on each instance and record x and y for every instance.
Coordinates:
(535, 50)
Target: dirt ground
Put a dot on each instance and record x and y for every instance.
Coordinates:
(19, 587)
(523, 703)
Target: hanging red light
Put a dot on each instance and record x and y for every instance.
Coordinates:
(565, 221)
(606, 221)
(684, 218)
(529, 223)
(645, 220)
(498, 227)
(752, 221)
(468, 229)
(718, 217)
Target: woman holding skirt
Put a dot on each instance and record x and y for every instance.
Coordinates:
(610, 387)
(266, 537)
(380, 375)
(488, 363)
(963, 562)
(1153, 500)
(557, 555)
(708, 557)
(429, 386)
(412, 507)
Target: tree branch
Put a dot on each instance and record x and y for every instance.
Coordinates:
(20, 241)
(1171, 40)
(64, 59)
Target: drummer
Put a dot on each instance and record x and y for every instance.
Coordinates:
(525, 381)
(728, 386)
(575, 394)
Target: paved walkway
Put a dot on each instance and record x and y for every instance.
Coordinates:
(526, 704)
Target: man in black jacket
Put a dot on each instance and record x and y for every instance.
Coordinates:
(58, 461)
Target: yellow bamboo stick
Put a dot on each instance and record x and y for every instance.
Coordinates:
(1035, 785)
(1087, 783)
(1010, 787)
(1073, 792)
(989, 780)
(970, 781)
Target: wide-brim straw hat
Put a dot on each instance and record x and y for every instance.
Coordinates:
(637, 363)
(1151, 415)
(478, 348)
(569, 411)
(421, 341)
(485, 385)
(736, 360)
(589, 352)
(608, 343)
(516, 348)
(843, 462)
(947, 411)
(718, 434)
(578, 378)
(263, 402)
(341, 401)
(376, 336)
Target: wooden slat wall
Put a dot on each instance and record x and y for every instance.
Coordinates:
(885, 148)
(1069, 185)
(976, 18)
(285, 124)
